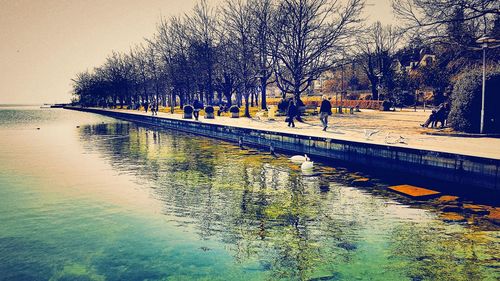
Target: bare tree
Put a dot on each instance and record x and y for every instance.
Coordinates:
(237, 23)
(309, 36)
(118, 71)
(226, 70)
(154, 66)
(431, 18)
(86, 89)
(376, 49)
(172, 43)
(262, 13)
(141, 79)
(202, 27)
(292, 41)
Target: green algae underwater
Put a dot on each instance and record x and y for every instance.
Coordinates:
(86, 197)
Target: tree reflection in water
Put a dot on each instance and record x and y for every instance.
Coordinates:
(292, 226)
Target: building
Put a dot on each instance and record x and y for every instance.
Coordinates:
(411, 61)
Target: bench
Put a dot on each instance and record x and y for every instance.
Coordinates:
(312, 108)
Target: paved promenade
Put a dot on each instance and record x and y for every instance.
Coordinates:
(400, 129)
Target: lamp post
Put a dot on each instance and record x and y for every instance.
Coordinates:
(379, 86)
(341, 107)
(484, 41)
(416, 100)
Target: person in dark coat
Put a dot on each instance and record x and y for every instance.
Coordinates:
(324, 111)
(153, 108)
(291, 113)
(437, 115)
(431, 119)
(197, 106)
(441, 115)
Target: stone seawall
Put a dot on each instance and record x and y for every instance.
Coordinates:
(470, 171)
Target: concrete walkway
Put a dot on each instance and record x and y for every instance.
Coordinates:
(399, 129)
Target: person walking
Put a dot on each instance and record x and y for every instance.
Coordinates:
(324, 111)
(152, 107)
(291, 113)
(155, 107)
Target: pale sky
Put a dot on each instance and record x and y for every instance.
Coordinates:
(44, 43)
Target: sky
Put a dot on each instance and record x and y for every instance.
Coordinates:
(44, 44)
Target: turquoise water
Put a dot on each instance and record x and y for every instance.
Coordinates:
(86, 197)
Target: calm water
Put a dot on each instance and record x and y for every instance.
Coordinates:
(109, 200)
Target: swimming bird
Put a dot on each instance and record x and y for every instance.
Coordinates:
(299, 158)
(307, 165)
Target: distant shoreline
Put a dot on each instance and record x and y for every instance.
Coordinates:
(19, 104)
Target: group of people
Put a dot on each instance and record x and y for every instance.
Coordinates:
(439, 114)
(325, 110)
(153, 106)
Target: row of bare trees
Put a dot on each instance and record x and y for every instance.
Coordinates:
(231, 52)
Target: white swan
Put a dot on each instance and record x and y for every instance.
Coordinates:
(307, 165)
(299, 158)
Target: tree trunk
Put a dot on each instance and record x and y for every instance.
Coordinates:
(183, 98)
(296, 88)
(263, 88)
(297, 98)
(247, 109)
(228, 97)
(373, 87)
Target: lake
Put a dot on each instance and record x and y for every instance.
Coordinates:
(87, 197)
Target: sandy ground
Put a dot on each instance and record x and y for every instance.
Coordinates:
(400, 128)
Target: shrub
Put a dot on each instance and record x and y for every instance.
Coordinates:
(403, 98)
(386, 105)
(465, 112)
(209, 109)
(188, 109)
(353, 96)
(234, 109)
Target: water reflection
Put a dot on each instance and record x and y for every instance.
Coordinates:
(275, 220)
